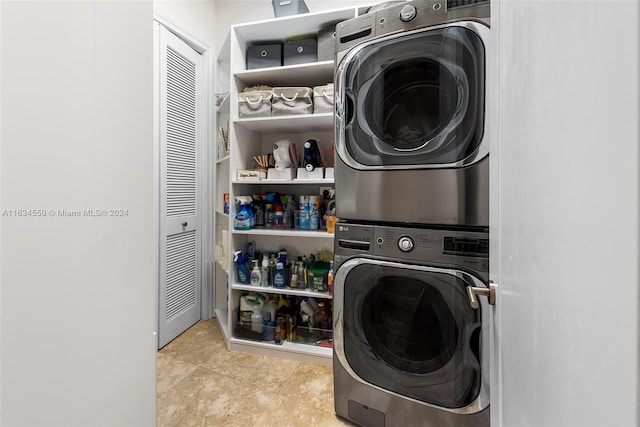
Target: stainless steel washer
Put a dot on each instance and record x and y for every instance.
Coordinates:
(409, 348)
(411, 127)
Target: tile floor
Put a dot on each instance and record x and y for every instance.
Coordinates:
(200, 383)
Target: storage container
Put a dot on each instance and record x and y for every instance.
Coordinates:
(323, 99)
(288, 7)
(300, 52)
(292, 100)
(264, 56)
(254, 104)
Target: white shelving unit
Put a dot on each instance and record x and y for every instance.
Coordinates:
(255, 136)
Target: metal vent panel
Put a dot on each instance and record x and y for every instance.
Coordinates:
(180, 273)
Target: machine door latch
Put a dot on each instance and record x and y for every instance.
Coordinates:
(475, 291)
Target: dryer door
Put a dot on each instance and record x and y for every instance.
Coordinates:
(410, 330)
(413, 100)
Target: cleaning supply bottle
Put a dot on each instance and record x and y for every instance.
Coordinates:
(303, 214)
(307, 312)
(242, 272)
(256, 277)
(246, 310)
(314, 212)
(279, 279)
(264, 272)
(244, 219)
(278, 216)
(256, 316)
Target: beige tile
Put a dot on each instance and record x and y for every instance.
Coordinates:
(295, 415)
(207, 398)
(170, 372)
(313, 385)
(200, 383)
(196, 345)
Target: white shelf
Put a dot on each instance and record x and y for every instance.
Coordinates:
(306, 349)
(320, 234)
(307, 75)
(221, 213)
(288, 182)
(283, 291)
(289, 124)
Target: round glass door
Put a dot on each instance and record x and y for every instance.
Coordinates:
(415, 99)
(413, 332)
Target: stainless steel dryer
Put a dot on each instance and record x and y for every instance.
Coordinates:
(409, 347)
(411, 127)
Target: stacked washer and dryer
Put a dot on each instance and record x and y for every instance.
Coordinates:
(411, 338)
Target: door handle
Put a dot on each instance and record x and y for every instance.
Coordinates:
(474, 292)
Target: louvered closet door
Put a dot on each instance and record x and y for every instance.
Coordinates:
(180, 138)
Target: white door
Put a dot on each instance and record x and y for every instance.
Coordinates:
(180, 167)
(564, 217)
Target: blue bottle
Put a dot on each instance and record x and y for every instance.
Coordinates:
(242, 272)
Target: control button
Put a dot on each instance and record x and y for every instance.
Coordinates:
(408, 13)
(380, 241)
(406, 244)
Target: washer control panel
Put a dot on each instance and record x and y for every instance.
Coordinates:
(408, 13)
(406, 244)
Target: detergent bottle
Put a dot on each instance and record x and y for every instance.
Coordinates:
(244, 219)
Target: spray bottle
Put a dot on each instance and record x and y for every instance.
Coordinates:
(244, 219)
(242, 270)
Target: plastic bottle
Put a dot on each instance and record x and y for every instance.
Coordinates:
(244, 219)
(278, 276)
(278, 216)
(289, 213)
(268, 215)
(256, 276)
(303, 212)
(293, 283)
(270, 307)
(242, 270)
(307, 312)
(314, 213)
(265, 271)
(269, 326)
(256, 316)
(320, 322)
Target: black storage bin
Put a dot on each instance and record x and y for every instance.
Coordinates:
(289, 7)
(263, 56)
(327, 43)
(300, 51)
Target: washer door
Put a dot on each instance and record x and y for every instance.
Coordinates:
(413, 100)
(410, 330)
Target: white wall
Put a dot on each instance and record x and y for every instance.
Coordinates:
(196, 17)
(78, 298)
(566, 156)
(230, 12)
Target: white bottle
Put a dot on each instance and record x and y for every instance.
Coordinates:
(256, 276)
(256, 316)
(265, 272)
